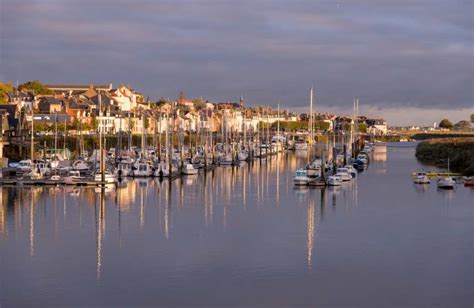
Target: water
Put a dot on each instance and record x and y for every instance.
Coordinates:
(242, 237)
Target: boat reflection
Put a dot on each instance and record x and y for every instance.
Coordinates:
(209, 200)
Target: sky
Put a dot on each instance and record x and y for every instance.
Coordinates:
(409, 61)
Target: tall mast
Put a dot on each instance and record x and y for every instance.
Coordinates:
(278, 122)
(310, 126)
(64, 143)
(32, 134)
(55, 132)
(268, 126)
(143, 135)
(119, 143)
(102, 163)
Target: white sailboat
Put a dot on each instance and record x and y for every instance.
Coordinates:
(446, 182)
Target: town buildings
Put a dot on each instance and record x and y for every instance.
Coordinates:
(125, 109)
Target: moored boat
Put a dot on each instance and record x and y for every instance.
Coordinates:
(446, 182)
(334, 180)
(188, 169)
(301, 177)
(421, 177)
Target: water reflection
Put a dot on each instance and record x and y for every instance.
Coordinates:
(310, 229)
(234, 224)
(223, 193)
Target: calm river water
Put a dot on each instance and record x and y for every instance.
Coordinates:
(242, 236)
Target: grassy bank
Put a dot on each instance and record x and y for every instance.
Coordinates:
(459, 150)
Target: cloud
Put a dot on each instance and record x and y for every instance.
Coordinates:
(392, 54)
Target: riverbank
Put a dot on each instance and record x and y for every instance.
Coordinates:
(441, 135)
(460, 152)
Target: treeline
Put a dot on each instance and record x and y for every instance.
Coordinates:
(426, 136)
(460, 152)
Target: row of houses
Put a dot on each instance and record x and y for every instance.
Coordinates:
(124, 109)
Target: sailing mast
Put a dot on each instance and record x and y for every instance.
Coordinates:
(310, 126)
(55, 133)
(32, 135)
(64, 142)
(102, 163)
(143, 135)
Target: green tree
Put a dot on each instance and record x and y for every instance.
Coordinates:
(36, 87)
(362, 127)
(462, 125)
(445, 123)
(4, 89)
(472, 118)
(161, 102)
(41, 127)
(94, 122)
(199, 103)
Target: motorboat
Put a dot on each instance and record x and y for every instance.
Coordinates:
(334, 180)
(243, 155)
(352, 170)
(143, 169)
(301, 145)
(226, 159)
(363, 158)
(188, 169)
(55, 177)
(421, 177)
(198, 161)
(469, 181)
(344, 174)
(80, 165)
(39, 170)
(446, 182)
(314, 168)
(25, 165)
(109, 177)
(124, 169)
(163, 170)
(74, 176)
(301, 177)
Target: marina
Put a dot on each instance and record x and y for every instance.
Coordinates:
(236, 154)
(246, 226)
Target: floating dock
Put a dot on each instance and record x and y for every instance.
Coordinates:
(437, 174)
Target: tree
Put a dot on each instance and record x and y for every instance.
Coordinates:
(199, 103)
(36, 87)
(94, 122)
(445, 123)
(462, 125)
(4, 89)
(161, 102)
(472, 118)
(362, 128)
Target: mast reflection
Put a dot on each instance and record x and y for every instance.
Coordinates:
(32, 226)
(310, 232)
(100, 230)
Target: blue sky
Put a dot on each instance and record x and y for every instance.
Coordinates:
(390, 54)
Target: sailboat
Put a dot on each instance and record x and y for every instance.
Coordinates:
(446, 182)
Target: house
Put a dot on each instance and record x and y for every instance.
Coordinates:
(126, 98)
(376, 126)
(182, 102)
(78, 110)
(24, 99)
(11, 118)
(50, 105)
